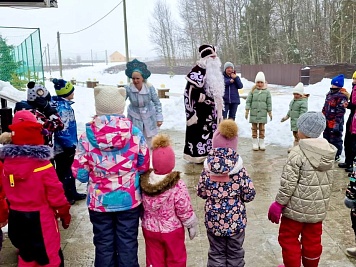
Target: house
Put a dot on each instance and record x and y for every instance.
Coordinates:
(117, 57)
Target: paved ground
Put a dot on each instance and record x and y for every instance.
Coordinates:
(261, 245)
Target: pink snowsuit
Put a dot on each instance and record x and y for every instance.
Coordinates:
(167, 209)
(33, 191)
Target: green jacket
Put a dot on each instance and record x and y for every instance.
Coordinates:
(297, 107)
(259, 103)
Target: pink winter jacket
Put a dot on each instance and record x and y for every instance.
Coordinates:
(166, 203)
(110, 157)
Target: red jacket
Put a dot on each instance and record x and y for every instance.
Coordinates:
(34, 192)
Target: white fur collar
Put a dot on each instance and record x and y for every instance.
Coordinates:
(155, 178)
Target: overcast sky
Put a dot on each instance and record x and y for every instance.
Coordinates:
(73, 15)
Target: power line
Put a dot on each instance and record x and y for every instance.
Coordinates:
(94, 22)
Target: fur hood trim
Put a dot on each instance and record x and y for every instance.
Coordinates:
(164, 183)
(14, 151)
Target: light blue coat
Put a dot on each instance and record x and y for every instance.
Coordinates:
(145, 108)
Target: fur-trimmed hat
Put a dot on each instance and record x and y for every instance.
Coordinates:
(36, 90)
(163, 158)
(207, 51)
(63, 88)
(299, 89)
(226, 136)
(25, 129)
(137, 66)
(338, 81)
(260, 77)
(109, 100)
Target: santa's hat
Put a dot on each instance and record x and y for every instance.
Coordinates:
(207, 51)
(26, 130)
(163, 158)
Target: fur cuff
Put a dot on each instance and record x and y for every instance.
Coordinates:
(155, 189)
(14, 151)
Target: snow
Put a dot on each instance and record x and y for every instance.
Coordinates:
(277, 133)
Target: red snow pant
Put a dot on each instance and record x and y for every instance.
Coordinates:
(307, 248)
(165, 249)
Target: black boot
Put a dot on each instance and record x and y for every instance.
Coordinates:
(343, 165)
(349, 169)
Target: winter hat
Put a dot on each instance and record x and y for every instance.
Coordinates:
(207, 51)
(260, 77)
(226, 135)
(109, 100)
(354, 75)
(36, 90)
(63, 88)
(137, 66)
(311, 124)
(25, 129)
(338, 81)
(299, 89)
(163, 158)
(228, 64)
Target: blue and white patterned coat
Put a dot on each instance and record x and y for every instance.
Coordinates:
(145, 108)
(68, 136)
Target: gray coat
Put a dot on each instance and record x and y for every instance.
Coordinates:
(145, 108)
(307, 180)
(259, 103)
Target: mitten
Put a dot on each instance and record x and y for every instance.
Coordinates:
(270, 115)
(192, 232)
(63, 214)
(246, 113)
(275, 212)
(5, 138)
(284, 118)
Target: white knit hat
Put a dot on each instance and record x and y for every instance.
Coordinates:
(299, 89)
(260, 77)
(109, 100)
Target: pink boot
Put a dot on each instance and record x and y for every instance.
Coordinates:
(282, 265)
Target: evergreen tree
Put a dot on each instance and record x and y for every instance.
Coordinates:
(8, 65)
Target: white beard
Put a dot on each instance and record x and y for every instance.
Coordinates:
(214, 80)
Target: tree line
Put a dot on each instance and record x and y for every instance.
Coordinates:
(257, 31)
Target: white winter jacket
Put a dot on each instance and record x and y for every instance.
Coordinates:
(306, 180)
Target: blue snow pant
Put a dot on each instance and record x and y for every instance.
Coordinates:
(115, 237)
(230, 108)
(334, 138)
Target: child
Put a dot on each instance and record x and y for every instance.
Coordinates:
(350, 202)
(38, 102)
(65, 141)
(111, 155)
(334, 110)
(260, 103)
(167, 209)
(297, 107)
(226, 186)
(232, 86)
(304, 193)
(350, 138)
(35, 195)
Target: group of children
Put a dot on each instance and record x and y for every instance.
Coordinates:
(112, 156)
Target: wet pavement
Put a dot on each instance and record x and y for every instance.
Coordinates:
(261, 245)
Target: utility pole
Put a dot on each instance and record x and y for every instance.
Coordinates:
(91, 56)
(59, 55)
(49, 60)
(126, 36)
(106, 57)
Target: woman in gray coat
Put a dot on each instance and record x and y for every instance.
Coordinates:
(145, 108)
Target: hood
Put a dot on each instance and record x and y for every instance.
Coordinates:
(221, 161)
(154, 184)
(319, 153)
(24, 156)
(109, 132)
